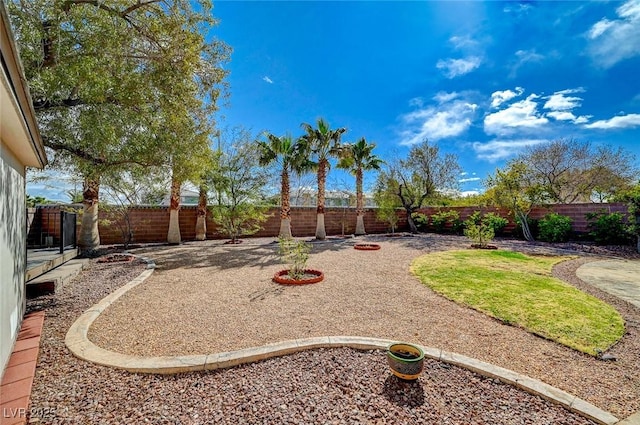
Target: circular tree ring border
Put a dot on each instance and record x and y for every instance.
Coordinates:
(282, 277)
(367, 246)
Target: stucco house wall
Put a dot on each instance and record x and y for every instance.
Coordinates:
(20, 147)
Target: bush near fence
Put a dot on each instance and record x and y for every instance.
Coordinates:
(151, 223)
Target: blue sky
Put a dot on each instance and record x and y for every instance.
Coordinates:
(482, 79)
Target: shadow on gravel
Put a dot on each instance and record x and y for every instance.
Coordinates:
(403, 393)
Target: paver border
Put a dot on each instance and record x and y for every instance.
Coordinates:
(78, 343)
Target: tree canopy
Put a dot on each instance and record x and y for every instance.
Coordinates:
(116, 83)
(110, 80)
(569, 171)
(424, 175)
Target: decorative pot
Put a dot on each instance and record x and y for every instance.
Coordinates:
(367, 246)
(405, 360)
(310, 276)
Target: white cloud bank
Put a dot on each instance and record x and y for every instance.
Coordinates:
(450, 117)
(267, 79)
(611, 41)
(499, 97)
(622, 121)
(521, 115)
(561, 105)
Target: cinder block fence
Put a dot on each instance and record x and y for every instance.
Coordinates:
(151, 223)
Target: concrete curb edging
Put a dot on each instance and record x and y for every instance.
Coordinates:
(78, 343)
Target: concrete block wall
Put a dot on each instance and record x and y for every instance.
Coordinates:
(151, 224)
(577, 212)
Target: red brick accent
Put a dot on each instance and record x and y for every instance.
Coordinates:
(17, 378)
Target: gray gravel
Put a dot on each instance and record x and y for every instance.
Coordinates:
(320, 386)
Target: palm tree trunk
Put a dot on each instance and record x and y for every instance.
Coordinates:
(285, 205)
(359, 204)
(321, 233)
(173, 237)
(89, 239)
(201, 220)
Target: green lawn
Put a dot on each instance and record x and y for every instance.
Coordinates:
(519, 290)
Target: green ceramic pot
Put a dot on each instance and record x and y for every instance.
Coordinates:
(405, 360)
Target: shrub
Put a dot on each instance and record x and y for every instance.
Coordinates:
(496, 222)
(446, 220)
(421, 221)
(554, 228)
(295, 254)
(608, 228)
(491, 220)
(481, 234)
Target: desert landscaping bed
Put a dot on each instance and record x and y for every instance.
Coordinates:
(207, 297)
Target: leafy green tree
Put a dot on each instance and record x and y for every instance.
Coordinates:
(288, 155)
(387, 203)
(424, 175)
(359, 157)
(322, 143)
(109, 78)
(240, 181)
(512, 188)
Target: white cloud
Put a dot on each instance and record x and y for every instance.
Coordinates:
(600, 28)
(434, 123)
(499, 97)
(500, 149)
(464, 173)
(519, 115)
(612, 41)
(267, 79)
(470, 179)
(444, 97)
(568, 116)
(456, 67)
(559, 101)
(622, 121)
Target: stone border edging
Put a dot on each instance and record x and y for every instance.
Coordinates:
(78, 343)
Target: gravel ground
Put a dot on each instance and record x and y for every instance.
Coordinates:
(319, 386)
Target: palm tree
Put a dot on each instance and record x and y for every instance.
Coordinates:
(173, 235)
(286, 152)
(358, 157)
(322, 143)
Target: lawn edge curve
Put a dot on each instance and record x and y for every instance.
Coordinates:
(78, 343)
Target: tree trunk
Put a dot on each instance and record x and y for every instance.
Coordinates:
(359, 204)
(173, 237)
(285, 228)
(412, 225)
(321, 233)
(320, 230)
(524, 223)
(285, 205)
(89, 239)
(201, 220)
